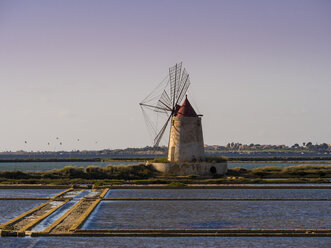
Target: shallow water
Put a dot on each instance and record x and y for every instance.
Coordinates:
(183, 214)
(210, 214)
(62, 210)
(219, 193)
(171, 242)
(13, 208)
(54, 216)
(29, 192)
(82, 194)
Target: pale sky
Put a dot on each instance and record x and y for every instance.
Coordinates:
(76, 69)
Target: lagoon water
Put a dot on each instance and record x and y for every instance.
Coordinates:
(29, 192)
(171, 242)
(46, 166)
(220, 193)
(183, 214)
(13, 208)
(210, 214)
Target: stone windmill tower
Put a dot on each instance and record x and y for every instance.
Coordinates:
(186, 147)
(186, 139)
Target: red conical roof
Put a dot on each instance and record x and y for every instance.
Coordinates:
(186, 110)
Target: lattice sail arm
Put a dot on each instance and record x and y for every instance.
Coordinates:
(161, 104)
(183, 86)
(160, 134)
(174, 76)
(155, 108)
(164, 101)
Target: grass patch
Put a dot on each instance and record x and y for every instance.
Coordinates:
(237, 171)
(266, 171)
(108, 182)
(141, 174)
(176, 185)
(150, 181)
(299, 171)
(161, 160)
(193, 176)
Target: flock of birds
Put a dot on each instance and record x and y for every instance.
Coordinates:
(58, 142)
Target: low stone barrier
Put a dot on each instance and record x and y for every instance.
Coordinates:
(42, 217)
(216, 199)
(191, 168)
(195, 232)
(61, 219)
(61, 194)
(24, 198)
(225, 186)
(80, 221)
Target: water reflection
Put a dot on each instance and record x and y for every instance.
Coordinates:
(171, 242)
(210, 214)
(13, 208)
(219, 193)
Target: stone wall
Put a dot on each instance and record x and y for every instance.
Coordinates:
(185, 168)
(186, 139)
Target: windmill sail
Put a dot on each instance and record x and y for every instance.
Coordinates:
(183, 86)
(162, 102)
(160, 134)
(174, 75)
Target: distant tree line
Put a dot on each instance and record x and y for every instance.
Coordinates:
(309, 146)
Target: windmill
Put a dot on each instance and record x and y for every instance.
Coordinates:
(186, 147)
(164, 101)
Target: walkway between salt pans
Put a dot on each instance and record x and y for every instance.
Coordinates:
(69, 221)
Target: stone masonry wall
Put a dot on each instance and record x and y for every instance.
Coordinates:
(186, 140)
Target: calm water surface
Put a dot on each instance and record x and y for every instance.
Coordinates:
(210, 214)
(171, 242)
(29, 192)
(13, 208)
(219, 193)
(182, 214)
